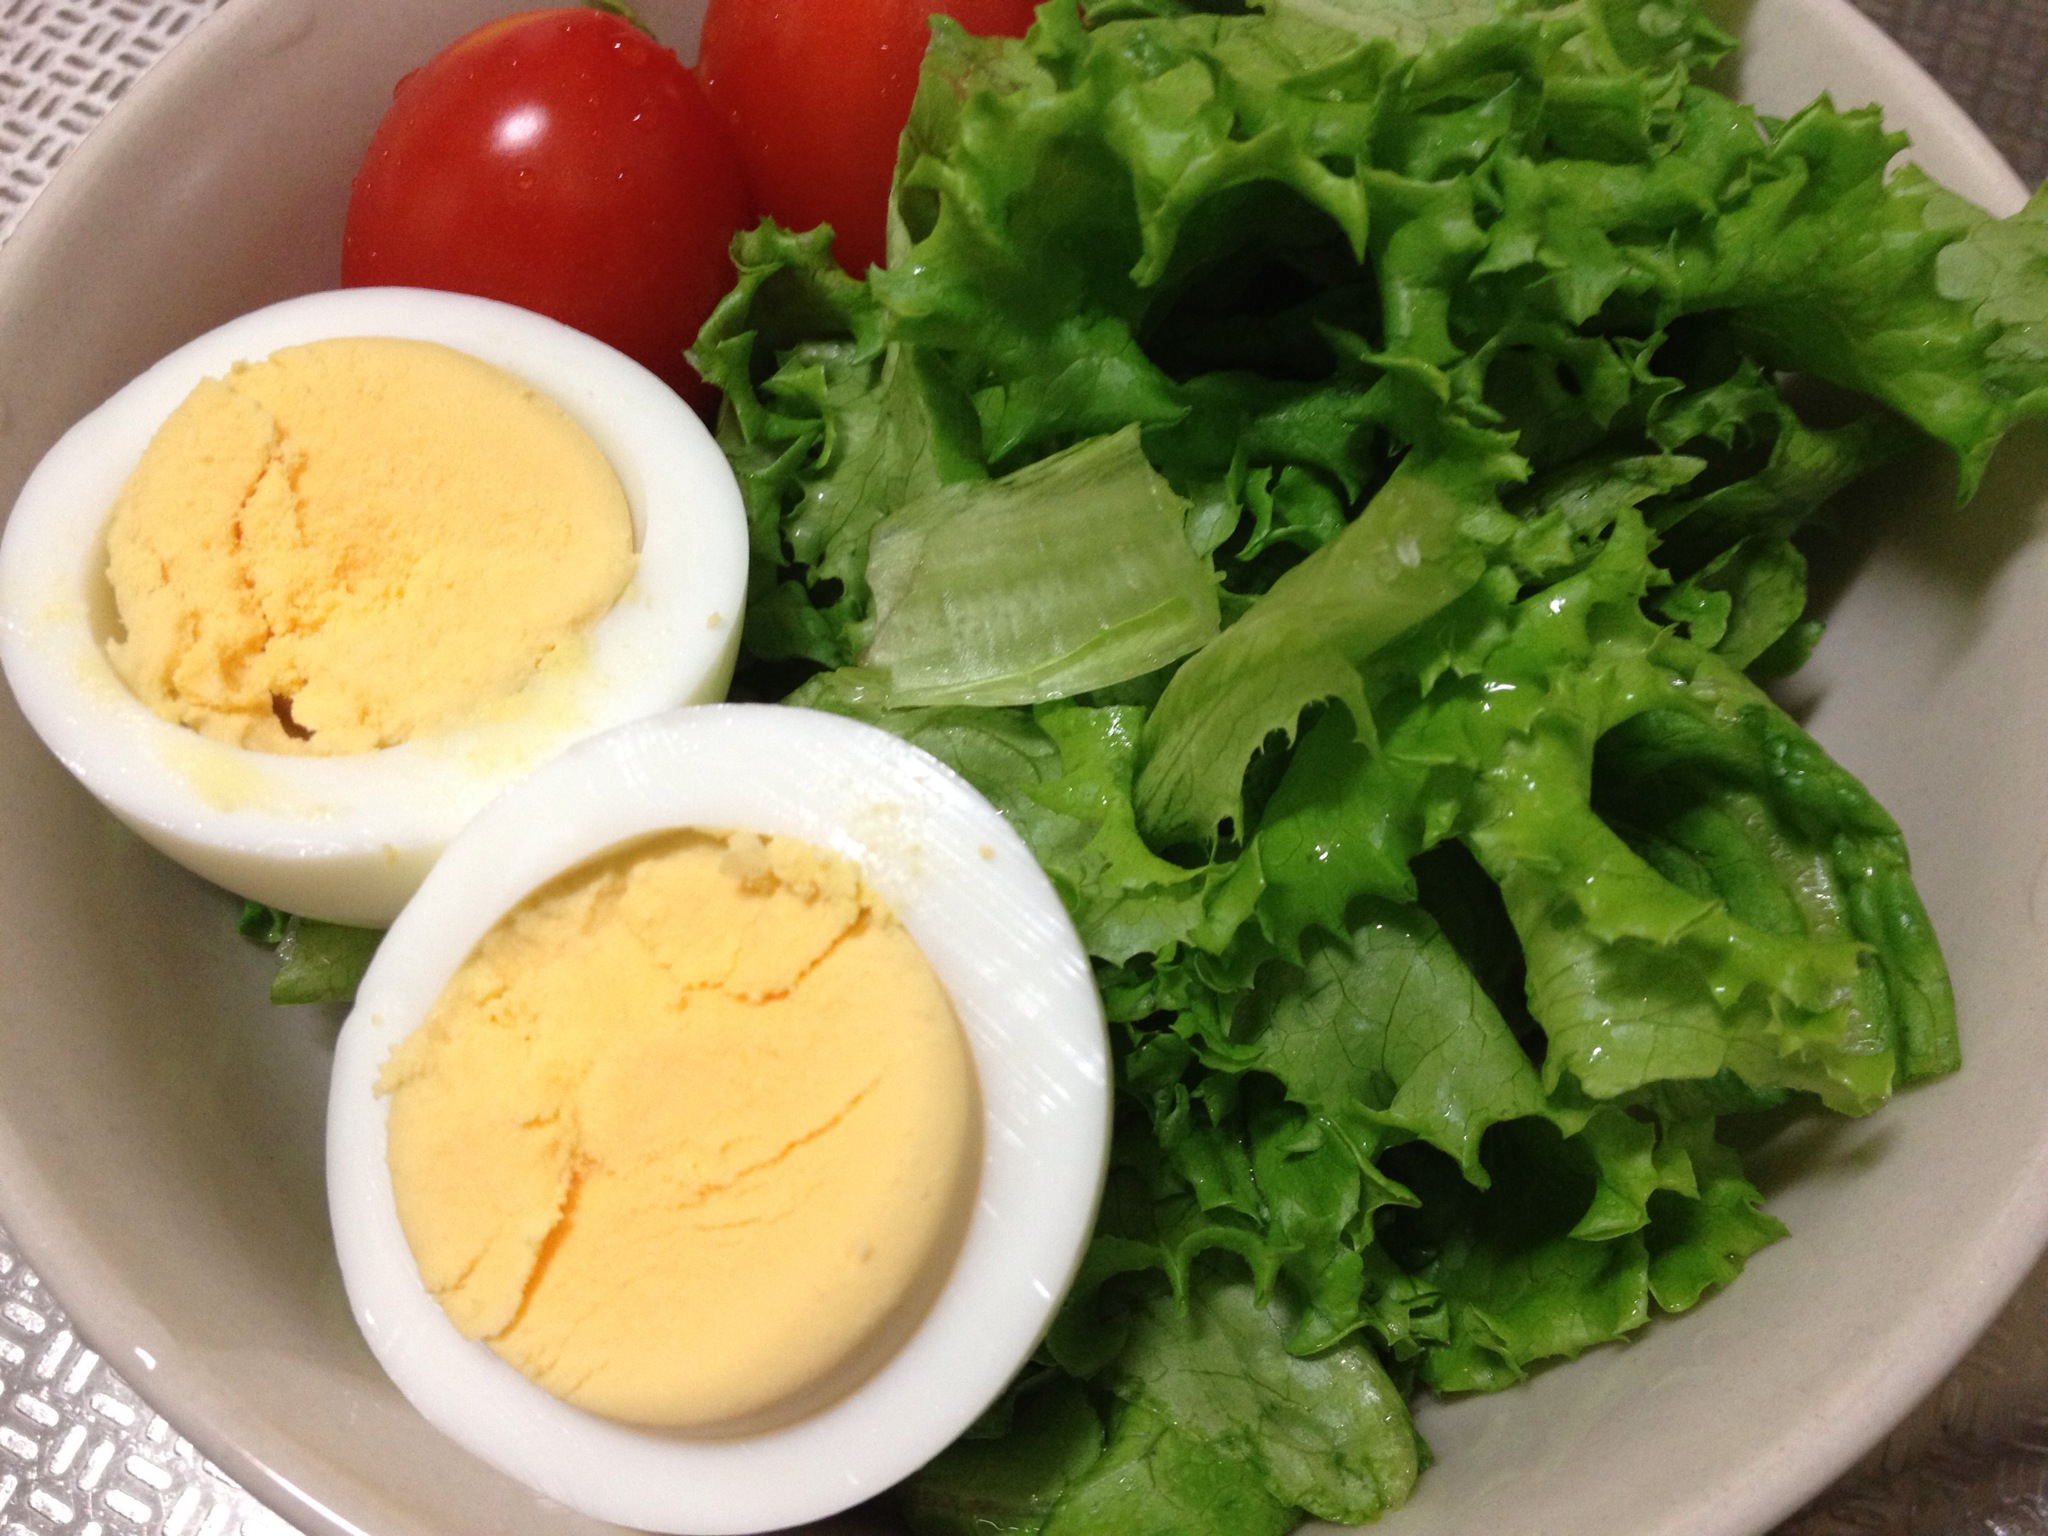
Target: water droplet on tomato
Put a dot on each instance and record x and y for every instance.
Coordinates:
(523, 178)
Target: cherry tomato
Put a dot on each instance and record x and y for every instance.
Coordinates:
(816, 93)
(563, 161)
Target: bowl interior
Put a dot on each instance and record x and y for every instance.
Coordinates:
(161, 1125)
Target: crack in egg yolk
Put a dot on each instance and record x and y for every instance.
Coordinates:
(690, 1137)
(357, 542)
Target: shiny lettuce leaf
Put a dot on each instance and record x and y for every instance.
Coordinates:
(1401, 560)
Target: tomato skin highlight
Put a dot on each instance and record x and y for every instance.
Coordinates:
(562, 161)
(816, 93)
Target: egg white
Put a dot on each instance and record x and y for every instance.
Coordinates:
(349, 838)
(969, 892)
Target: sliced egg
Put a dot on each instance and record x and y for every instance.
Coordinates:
(986, 918)
(348, 838)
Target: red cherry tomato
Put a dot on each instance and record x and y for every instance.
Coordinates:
(563, 161)
(816, 93)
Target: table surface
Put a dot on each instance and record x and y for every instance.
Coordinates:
(82, 1455)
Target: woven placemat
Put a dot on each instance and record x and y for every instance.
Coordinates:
(1992, 56)
(62, 67)
(82, 1455)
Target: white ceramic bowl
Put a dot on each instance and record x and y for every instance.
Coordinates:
(160, 1127)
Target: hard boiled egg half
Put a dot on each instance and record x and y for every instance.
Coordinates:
(993, 931)
(347, 838)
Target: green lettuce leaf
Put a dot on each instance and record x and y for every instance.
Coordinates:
(1155, 1480)
(316, 962)
(1009, 1484)
(1390, 1027)
(1404, 558)
(1328, 1432)
(1072, 574)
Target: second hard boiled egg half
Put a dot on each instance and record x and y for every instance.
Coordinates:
(863, 1269)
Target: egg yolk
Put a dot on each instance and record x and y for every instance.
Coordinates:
(356, 542)
(691, 1137)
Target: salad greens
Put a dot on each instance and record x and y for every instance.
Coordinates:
(1071, 574)
(316, 962)
(1324, 469)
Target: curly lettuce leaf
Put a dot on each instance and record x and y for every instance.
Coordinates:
(1401, 560)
